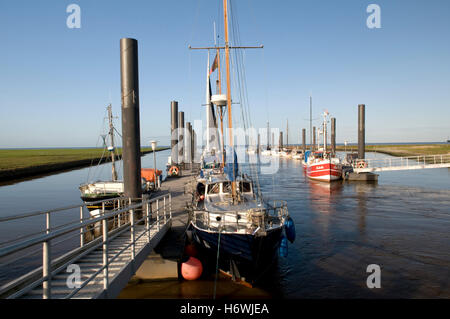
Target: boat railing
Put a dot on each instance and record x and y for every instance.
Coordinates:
(259, 217)
(61, 245)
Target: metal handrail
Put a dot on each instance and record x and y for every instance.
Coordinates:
(42, 212)
(405, 161)
(105, 216)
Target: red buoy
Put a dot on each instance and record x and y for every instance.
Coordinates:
(191, 269)
(190, 250)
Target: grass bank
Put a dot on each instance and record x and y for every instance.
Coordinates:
(22, 163)
(403, 150)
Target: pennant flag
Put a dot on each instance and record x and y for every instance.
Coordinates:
(215, 64)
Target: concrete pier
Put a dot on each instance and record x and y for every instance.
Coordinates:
(361, 131)
(273, 139)
(361, 177)
(163, 263)
(181, 138)
(192, 145)
(258, 146)
(174, 131)
(188, 143)
(304, 140)
(130, 118)
(313, 147)
(333, 136)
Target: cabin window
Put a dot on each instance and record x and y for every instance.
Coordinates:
(213, 189)
(201, 188)
(245, 187)
(226, 187)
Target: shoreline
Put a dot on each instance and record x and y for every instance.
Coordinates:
(17, 174)
(403, 150)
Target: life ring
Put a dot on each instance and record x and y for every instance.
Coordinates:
(173, 171)
(361, 164)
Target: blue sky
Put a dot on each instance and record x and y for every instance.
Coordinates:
(56, 82)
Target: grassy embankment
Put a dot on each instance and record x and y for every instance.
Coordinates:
(403, 150)
(22, 163)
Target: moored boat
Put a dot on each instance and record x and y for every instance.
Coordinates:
(322, 165)
(247, 232)
(229, 217)
(96, 191)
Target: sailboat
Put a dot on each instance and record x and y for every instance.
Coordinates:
(114, 188)
(230, 219)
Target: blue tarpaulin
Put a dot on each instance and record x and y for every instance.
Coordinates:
(231, 167)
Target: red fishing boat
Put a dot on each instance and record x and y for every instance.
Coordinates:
(323, 165)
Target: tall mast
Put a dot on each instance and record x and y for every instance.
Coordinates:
(218, 82)
(227, 63)
(325, 132)
(310, 123)
(287, 132)
(227, 48)
(208, 107)
(219, 91)
(112, 149)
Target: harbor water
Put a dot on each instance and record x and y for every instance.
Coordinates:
(400, 223)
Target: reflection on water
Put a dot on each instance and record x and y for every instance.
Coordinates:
(400, 223)
(342, 227)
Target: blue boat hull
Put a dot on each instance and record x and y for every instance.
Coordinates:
(252, 255)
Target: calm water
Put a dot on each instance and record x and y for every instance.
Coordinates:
(54, 191)
(401, 223)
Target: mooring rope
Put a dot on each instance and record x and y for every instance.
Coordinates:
(217, 263)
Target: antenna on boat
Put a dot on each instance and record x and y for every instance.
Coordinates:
(111, 148)
(310, 123)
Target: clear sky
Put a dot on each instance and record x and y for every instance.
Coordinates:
(56, 82)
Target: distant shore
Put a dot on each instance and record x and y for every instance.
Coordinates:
(395, 149)
(402, 149)
(25, 163)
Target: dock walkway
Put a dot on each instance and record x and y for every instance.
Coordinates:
(101, 267)
(401, 163)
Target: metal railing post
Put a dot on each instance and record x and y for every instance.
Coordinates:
(105, 254)
(81, 228)
(133, 251)
(170, 205)
(147, 215)
(46, 263)
(157, 213)
(165, 219)
(121, 214)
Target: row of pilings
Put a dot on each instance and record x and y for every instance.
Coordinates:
(313, 144)
(183, 139)
(183, 136)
